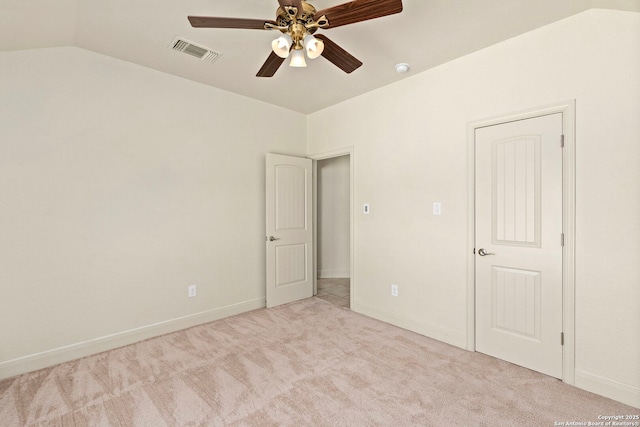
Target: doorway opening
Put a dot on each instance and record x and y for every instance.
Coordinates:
(333, 197)
(333, 231)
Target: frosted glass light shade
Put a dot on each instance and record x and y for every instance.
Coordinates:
(313, 46)
(297, 58)
(281, 45)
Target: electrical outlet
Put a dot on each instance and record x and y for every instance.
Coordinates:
(394, 290)
(192, 291)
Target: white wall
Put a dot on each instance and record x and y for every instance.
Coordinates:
(410, 142)
(334, 203)
(119, 187)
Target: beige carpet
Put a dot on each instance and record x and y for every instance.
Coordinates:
(304, 364)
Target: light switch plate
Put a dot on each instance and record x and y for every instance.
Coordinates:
(437, 208)
(365, 209)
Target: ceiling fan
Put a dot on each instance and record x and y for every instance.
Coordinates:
(298, 20)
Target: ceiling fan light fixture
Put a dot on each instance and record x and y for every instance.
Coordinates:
(313, 46)
(296, 19)
(297, 58)
(281, 45)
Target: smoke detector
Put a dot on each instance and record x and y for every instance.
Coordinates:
(402, 68)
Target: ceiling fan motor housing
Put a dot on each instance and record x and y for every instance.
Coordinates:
(290, 15)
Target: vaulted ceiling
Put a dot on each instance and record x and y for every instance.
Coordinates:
(427, 33)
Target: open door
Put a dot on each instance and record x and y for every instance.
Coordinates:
(289, 238)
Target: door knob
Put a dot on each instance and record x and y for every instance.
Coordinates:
(483, 252)
(271, 238)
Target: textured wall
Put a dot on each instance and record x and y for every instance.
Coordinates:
(121, 186)
(410, 142)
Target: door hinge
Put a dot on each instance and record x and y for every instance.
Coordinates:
(562, 240)
(561, 338)
(561, 141)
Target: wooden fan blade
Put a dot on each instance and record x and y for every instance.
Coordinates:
(338, 56)
(358, 11)
(270, 66)
(214, 22)
(294, 3)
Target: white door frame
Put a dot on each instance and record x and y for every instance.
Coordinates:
(567, 108)
(347, 151)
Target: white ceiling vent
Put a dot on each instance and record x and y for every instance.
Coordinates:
(190, 48)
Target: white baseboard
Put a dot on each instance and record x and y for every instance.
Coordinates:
(52, 357)
(432, 331)
(625, 393)
(333, 274)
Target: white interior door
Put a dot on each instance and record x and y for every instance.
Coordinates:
(289, 229)
(519, 242)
